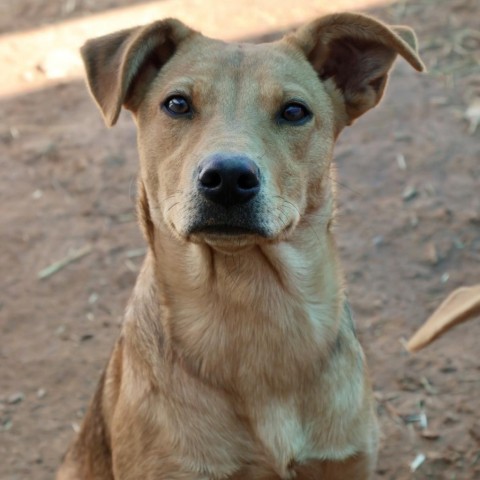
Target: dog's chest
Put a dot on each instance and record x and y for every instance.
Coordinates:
(282, 435)
(290, 440)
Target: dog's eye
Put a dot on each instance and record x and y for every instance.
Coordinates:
(177, 106)
(295, 113)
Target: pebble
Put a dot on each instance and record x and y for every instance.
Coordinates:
(438, 101)
(414, 221)
(41, 392)
(430, 189)
(14, 132)
(60, 330)
(474, 218)
(409, 193)
(6, 425)
(402, 136)
(15, 398)
(93, 298)
(474, 431)
(431, 253)
(458, 244)
(378, 240)
(402, 164)
(37, 194)
(429, 434)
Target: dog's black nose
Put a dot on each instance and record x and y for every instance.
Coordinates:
(228, 180)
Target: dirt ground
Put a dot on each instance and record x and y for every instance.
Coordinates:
(409, 233)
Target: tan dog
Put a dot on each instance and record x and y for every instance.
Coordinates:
(238, 358)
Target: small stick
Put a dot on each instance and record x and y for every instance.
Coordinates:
(57, 266)
(136, 252)
(419, 459)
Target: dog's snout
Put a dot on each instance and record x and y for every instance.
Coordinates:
(228, 180)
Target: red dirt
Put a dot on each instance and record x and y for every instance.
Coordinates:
(67, 182)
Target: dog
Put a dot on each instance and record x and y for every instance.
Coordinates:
(238, 357)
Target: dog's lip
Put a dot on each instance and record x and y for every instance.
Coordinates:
(226, 230)
(227, 239)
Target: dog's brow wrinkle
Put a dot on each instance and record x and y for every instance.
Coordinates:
(179, 86)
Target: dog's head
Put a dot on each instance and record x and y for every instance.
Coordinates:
(236, 140)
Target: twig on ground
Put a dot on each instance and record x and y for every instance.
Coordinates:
(60, 264)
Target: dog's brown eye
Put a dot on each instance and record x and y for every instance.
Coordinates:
(295, 113)
(177, 106)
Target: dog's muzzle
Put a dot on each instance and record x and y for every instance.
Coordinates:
(227, 197)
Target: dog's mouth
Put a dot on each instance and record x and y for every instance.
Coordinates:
(228, 237)
(213, 223)
(226, 231)
(237, 227)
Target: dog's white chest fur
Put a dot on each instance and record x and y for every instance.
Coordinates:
(289, 441)
(282, 435)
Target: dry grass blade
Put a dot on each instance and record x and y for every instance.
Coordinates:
(57, 266)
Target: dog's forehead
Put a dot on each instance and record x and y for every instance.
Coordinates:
(212, 58)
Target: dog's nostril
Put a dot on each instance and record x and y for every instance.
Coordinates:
(228, 179)
(210, 179)
(247, 181)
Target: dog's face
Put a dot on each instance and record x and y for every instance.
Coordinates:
(232, 137)
(235, 140)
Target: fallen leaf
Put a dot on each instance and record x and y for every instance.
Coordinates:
(461, 305)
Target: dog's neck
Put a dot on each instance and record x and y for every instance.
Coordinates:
(284, 298)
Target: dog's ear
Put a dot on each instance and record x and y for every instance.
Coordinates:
(121, 65)
(356, 52)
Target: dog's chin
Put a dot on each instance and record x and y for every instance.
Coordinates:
(227, 238)
(238, 244)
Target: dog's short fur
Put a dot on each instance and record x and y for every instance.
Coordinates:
(238, 358)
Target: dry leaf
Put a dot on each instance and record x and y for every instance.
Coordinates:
(463, 304)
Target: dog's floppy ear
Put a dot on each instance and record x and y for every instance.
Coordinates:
(356, 52)
(120, 66)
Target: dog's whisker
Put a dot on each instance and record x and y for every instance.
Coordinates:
(345, 186)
